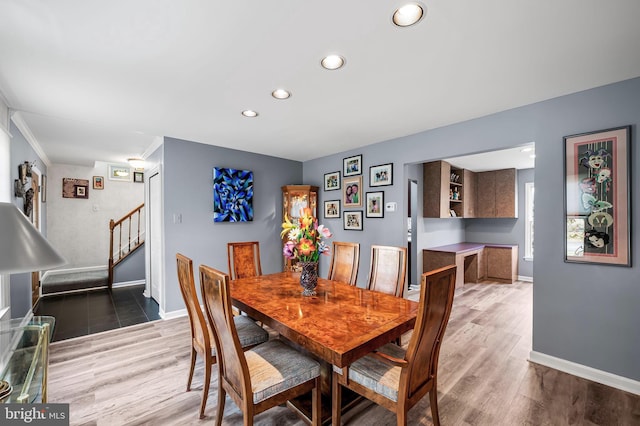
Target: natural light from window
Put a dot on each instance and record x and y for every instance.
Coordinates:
(528, 237)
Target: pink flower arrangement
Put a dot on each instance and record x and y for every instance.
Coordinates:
(305, 238)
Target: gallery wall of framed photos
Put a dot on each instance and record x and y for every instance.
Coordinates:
(350, 185)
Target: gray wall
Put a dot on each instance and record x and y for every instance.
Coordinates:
(131, 268)
(20, 284)
(188, 190)
(505, 231)
(586, 314)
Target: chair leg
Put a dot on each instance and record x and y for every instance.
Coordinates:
(433, 400)
(316, 401)
(221, 398)
(205, 385)
(336, 401)
(194, 354)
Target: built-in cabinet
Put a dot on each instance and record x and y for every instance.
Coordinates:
(496, 193)
(454, 192)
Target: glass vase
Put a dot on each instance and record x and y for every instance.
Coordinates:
(308, 277)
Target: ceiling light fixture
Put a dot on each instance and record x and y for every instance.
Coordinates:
(408, 15)
(249, 113)
(136, 163)
(332, 62)
(281, 94)
(527, 149)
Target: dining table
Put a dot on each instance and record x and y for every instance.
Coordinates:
(337, 326)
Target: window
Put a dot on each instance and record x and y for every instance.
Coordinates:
(528, 236)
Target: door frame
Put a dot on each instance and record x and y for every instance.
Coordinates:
(36, 220)
(153, 173)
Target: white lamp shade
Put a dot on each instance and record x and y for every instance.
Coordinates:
(22, 246)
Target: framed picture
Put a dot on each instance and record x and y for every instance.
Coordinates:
(353, 220)
(119, 173)
(375, 204)
(352, 191)
(332, 209)
(381, 175)
(75, 188)
(98, 182)
(332, 181)
(43, 189)
(232, 195)
(596, 197)
(138, 177)
(352, 166)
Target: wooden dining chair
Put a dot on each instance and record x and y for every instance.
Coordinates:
(396, 378)
(345, 259)
(202, 341)
(263, 377)
(388, 269)
(243, 259)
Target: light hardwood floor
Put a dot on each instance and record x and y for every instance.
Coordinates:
(137, 375)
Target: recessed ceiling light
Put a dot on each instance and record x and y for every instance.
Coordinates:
(408, 15)
(249, 113)
(280, 94)
(527, 149)
(332, 62)
(532, 156)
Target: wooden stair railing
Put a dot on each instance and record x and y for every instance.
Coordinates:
(132, 242)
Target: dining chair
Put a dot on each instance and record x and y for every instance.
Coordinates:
(263, 377)
(345, 259)
(396, 378)
(202, 341)
(388, 269)
(243, 259)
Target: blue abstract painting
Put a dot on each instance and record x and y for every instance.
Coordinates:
(232, 195)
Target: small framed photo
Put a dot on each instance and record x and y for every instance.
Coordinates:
(353, 220)
(332, 209)
(138, 177)
(98, 182)
(352, 191)
(332, 181)
(381, 175)
(81, 191)
(119, 173)
(375, 204)
(352, 166)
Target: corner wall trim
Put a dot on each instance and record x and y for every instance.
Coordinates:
(172, 314)
(589, 373)
(525, 278)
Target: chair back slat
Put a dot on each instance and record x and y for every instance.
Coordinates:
(388, 269)
(199, 329)
(244, 259)
(233, 364)
(436, 301)
(345, 259)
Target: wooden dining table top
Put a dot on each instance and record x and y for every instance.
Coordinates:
(339, 325)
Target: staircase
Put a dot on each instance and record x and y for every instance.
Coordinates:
(126, 236)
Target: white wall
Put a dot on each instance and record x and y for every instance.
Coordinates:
(79, 228)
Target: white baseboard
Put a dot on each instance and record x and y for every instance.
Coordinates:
(172, 314)
(589, 373)
(525, 278)
(128, 283)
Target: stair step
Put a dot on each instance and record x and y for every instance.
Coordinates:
(74, 281)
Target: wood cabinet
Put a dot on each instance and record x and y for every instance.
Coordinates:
(496, 194)
(470, 186)
(445, 191)
(295, 198)
(502, 263)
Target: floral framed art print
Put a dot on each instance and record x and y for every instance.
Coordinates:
(596, 197)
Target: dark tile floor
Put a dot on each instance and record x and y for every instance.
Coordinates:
(82, 313)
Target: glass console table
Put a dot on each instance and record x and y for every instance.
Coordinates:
(24, 351)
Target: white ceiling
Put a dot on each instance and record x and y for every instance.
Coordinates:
(100, 80)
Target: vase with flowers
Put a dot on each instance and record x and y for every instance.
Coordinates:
(305, 244)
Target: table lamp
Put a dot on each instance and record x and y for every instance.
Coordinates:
(22, 249)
